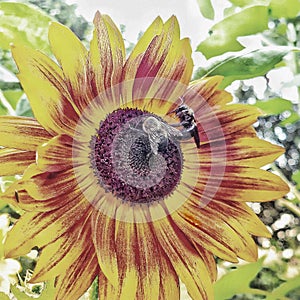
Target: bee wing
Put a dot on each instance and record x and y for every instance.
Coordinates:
(172, 132)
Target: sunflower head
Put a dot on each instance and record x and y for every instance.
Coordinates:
(130, 172)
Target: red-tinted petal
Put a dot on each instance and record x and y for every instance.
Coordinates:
(29, 132)
(43, 83)
(14, 161)
(56, 154)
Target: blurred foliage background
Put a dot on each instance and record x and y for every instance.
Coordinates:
(256, 48)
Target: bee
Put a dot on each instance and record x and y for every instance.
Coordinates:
(187, 121)
(159, 133)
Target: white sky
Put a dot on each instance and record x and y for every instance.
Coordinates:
(137, 15)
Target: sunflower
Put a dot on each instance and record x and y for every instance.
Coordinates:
(113, 186)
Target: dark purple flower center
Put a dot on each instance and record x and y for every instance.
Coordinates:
(125, 161)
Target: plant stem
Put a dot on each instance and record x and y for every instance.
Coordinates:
(292, 187)
(289, 205)
(286, 203)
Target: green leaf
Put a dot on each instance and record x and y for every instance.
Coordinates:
(23, 108)
(2, 204)
(237, 281)
(284, 8)
(94, 290)
(49, 291)
(3, 109)
(244, 64)
(3, 296)
(18, 294)
(223, 35)
(284, 289)
(24, 24)
(274, 106)
(13, 96)
(296, 178)
(206, 9)
(9, 86)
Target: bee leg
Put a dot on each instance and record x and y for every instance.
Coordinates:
(134, 129)
(195, 135)
(175, 125)
(186, 135)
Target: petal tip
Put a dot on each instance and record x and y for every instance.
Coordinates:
(280, 150)
(173, 18)
(97, 17)
(54, 25)
(286, 188)
(215, 80)
(158, 19)
(55, 29)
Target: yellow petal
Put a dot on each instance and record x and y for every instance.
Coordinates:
(126, 243)
(250, 251)
(44, 86)
(106, 289)
(56, 154)
(14, 161)
(234, 233)
(236, 183)
(211, 233)
(169, 283)
(79, 276)
(18, 197)
(209, 261)
(240, 151)
(207, 89)
(177, 68)
(73, 58)
(218, 123)
(243, 214)
(161, 70)
(147, 261)
(139, 260)
(103, 234)
(10, 196)
(28, 203)
(29, 132)
(50, 184)
(107, 52)
(59, 255)
(41, 228)
(186, 261)
(154, 29)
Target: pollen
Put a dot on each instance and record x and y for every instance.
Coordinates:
(124, 162)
